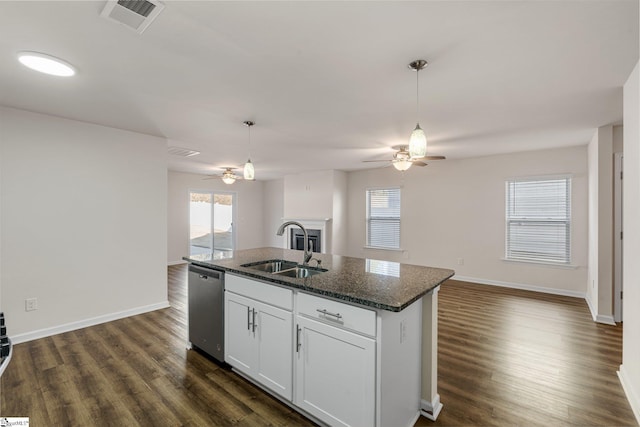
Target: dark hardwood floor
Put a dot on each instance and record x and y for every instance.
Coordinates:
(506, 357)
(510, 357)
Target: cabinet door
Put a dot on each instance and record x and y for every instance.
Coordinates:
(335, 374)
(274, 336)
(240, 345)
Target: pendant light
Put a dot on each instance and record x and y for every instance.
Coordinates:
(418, 139)
(249, 171)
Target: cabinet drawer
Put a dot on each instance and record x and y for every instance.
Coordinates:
(270, 294)
(337, 313)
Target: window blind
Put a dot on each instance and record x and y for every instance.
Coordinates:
(383, 218)
(538, 220)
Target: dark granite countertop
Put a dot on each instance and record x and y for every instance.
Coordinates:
(379, 284)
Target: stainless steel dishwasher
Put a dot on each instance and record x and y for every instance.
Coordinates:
(206, 310)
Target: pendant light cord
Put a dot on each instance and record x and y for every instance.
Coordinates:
(417, 97)
(248, 124)
(249, 142)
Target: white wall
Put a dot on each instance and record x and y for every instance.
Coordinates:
(308, 195)
(339, 216)
(83, 223)
(600, 266)
(249, 213)
(319, 195)
(618, 141)
(273, 211)
(630, 368)
(456, 209)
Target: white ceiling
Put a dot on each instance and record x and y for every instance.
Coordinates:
(327, 83)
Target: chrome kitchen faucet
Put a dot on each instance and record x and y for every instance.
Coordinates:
(308, 253)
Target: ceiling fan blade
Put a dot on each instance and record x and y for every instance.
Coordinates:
(419, 163)
(434, 158)
(371, 161)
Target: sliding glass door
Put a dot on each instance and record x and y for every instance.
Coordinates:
(211, 223)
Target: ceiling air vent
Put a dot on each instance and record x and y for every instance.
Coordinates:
(134, 14)
(182, 152)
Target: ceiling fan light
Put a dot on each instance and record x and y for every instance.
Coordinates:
(418, 143)
(402, 165)
(228, 179)
(249, 171)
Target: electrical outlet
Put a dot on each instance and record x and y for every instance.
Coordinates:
(460, 261)
(30, 304)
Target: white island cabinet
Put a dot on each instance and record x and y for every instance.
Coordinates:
(258, 332)
(337, 363)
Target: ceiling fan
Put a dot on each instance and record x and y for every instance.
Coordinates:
(228, 176)
(402, 159)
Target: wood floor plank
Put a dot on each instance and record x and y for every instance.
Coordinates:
(506, 358)
(512, 357)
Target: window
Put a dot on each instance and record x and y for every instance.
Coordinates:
(383, 218)
(539, 220)
(211, 224)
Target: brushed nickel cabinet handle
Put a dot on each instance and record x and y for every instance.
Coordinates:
(338, 316)
(254, 321)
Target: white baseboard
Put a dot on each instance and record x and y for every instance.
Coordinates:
(591, 309)
(431, 410)
(607, 319)
(523, 286)
(176, 262)
(67, 327)
(632, 394)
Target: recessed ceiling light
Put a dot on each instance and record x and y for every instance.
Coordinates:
(46, 64)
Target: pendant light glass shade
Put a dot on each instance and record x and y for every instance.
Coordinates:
(402, 165)
(249, 171)
(418, 143)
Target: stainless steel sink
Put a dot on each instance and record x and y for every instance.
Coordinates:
(300, 272)
(283, 267)
(272, 265)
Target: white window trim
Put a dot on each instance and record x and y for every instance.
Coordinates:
(561, 265)
(382, 248)
(544, 263)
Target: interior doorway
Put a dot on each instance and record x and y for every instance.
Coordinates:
(618, 236)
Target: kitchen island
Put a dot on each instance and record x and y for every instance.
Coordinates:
(346, 346)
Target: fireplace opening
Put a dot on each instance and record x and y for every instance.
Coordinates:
(297, 240)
